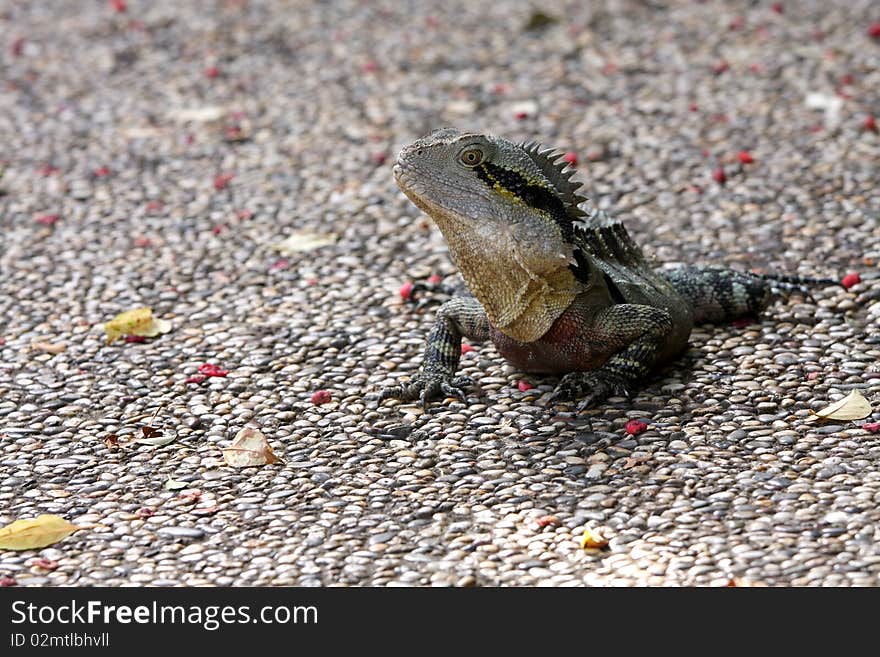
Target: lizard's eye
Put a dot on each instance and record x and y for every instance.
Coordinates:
(471, 157)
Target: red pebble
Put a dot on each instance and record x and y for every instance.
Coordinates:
(851, 279)
(209, 369)
(812, 376)
(693, 107)
(191, 496)
(222, 181)
(548, 521)
(873, 427)
(736, 23)
(48, 170)
(143, 242)
(145, 512)
(17, 47)
(118, 6)
(212, 72)
(500, 88)
(2, 341)
(379, 158)
(281, 263)
(869, 124)
(745, 157)
(196, 378)
(219, 228)
(524, 385)
(154, 206)
(719, 176)
(520, 116)
(778, 7)
(720, 67)
(406, 290)
(435, 279)
(847, 79)
(466, 348)
(45, 564)
(244, 214)
(47, 219)
(635, 427)
(571, 157)
(370, 67)
(135, 338)
(233, 132)
(7, 581)
(321, 397)
(874, 30)
(101, 172)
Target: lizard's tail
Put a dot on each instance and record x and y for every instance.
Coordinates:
(720, 295)
(783, 285)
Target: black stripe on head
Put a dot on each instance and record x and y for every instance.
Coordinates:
(533, 195)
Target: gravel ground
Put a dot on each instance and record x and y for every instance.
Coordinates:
(154, 156)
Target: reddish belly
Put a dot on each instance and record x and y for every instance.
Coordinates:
(570, 345)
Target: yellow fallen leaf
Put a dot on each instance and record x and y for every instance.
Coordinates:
(139, 321)
(49, 347)
(302, 241)
(35, 532)
(198, 114)
(593, 539)
(249, 448)
(173, 484)
(852, 407)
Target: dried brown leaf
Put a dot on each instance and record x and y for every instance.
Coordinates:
(302, 241)
(156, 437)
(49, 347)
(249, 448)
(852, 407)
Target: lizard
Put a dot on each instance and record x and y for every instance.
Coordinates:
(558, 285)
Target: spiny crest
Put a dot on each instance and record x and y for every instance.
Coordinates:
(559, 174)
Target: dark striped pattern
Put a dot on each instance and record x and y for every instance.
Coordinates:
(720, 295)
(533, 195)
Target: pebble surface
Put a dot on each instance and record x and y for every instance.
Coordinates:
(153, 156)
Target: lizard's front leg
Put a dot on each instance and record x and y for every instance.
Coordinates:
(638, 336)
(459, 317)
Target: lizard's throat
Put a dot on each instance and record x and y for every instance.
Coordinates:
(522, 293)
(520, 301)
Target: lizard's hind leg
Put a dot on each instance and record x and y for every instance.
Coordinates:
(719, 295)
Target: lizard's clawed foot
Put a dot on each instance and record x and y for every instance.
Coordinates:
(426, 387)
(589, 387)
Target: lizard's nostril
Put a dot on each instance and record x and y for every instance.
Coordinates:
(419, 152)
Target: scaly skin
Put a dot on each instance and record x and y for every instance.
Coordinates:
(558, 289)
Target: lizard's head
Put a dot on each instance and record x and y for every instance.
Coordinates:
(486, 179)
(506, 211)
